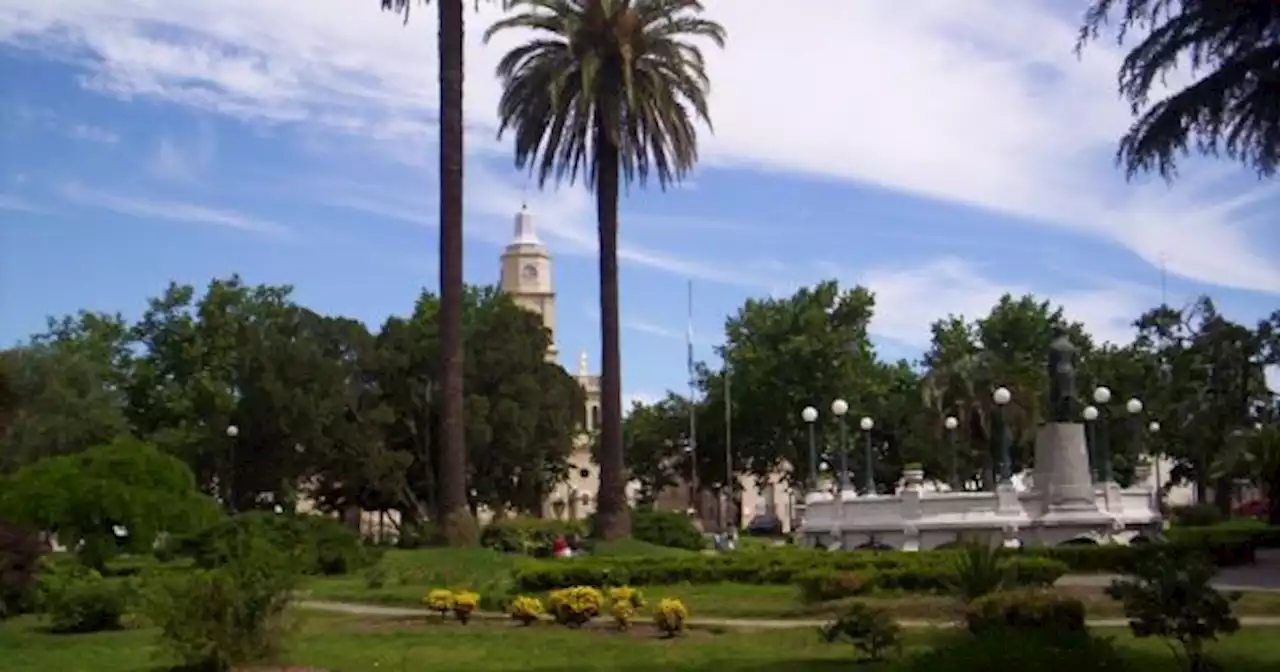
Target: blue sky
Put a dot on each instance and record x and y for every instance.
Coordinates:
(940, 153)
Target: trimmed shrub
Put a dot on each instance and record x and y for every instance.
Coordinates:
(894, 570)
(525, 609)
(1025, 609)
(825, 585)
(79, 600)
(1196, 515)
(575, 606)
(666, 528)
(20, 554)
(529, 536)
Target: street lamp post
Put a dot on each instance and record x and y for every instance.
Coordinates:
(1001, 397)
(1102, 397)
(1134, 409)
(950, 424)
(1090, 415)
(839, 408)
(810, 416)
(867, 424)
(232, 433)
(1153, 428)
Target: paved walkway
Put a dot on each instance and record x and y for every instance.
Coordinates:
(736, 623)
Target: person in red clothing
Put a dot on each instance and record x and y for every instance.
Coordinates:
(560, 547)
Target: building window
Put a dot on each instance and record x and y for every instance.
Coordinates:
(595, 417)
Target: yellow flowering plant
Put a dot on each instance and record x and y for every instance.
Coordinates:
(575, 606)
(525, 609)
(627, 594)
(670, 616)
(464, 604)
(440, 600)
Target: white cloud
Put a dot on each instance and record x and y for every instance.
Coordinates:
(183, 160)
(92, 133)
(15, 203)
(980, 102)
(174, 211)
(910, 298)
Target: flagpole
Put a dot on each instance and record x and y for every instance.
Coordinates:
(693, 411)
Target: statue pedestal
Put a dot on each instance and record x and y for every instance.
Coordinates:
(1062, 466)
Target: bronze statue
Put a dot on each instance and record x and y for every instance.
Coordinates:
(1062, 378)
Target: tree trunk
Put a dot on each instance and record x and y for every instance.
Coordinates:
(457, 524)
(613, 517)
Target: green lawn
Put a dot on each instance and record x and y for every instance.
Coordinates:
(409, 575)
(378, 645)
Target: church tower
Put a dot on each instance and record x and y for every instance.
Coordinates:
(526, 275)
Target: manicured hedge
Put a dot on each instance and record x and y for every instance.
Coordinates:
(930, 576)
(1254, 532)
(896, 568)
(529, 536)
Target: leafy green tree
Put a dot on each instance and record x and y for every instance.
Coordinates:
(785, 354)
(118, 496)
(967, 361)
(609, 88)
(64, 389)
(523, 412)
(1211, 374)
(459, 525)
(654, 437)
(1229, 107)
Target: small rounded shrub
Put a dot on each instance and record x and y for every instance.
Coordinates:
(1025, 609)
(318, 544)
(626, 603)
(666, 528)
(464, 604)
(670, 616)
(575, 606)
(871, 630)
(525, 609)
(77, 599)
(439, 600)
(1196, 515)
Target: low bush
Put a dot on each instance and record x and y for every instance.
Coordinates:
(666, 528)
(575, 606)
(1196, 515)
(217, 619)
(20, 554)
(525, 609)
(872, 631)
(439, 601)
(671, 616)
(528, 536)
(464, 604)
(1031, 650)
(79, 600)
(1024, 609)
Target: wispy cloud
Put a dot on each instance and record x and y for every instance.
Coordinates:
(15, 203)
(174, 211)
(186, 159)
(1008, 142)
(90, 133)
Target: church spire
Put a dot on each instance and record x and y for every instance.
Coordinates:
(525, 233)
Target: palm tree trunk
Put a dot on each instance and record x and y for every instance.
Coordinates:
(613, 518)
(457, 524)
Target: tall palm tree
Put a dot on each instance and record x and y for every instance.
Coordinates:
(609, 89)
(1231, 107)
(454, 516)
